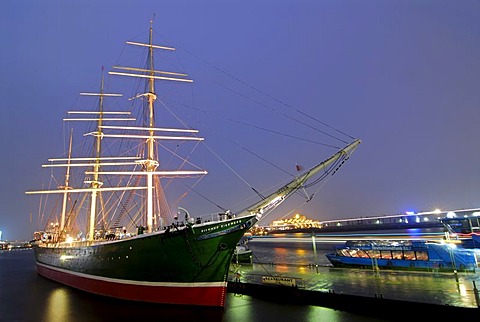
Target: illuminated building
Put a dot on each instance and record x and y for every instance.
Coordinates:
(296, 222)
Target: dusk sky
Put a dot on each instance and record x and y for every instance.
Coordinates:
(403, 76)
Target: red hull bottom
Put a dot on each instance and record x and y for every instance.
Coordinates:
(179, 294)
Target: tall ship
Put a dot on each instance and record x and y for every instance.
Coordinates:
(116, 233)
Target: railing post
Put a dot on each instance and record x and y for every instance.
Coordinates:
(475, 291)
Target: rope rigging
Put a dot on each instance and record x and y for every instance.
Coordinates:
(332, 168)
(246, 84)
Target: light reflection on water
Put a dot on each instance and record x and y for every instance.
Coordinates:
(296, 258)
(57, 305)
(25, 297)
(326, 237)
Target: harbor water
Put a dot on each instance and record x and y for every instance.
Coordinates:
(26, 296)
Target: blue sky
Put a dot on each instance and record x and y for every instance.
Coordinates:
(402, 76)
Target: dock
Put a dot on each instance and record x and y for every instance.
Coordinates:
(390, 295)
(377, 307)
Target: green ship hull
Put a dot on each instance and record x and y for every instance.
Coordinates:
(184, 265)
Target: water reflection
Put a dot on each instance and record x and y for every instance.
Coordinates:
(280, 253)
(247, 308)
(25, 296)
(57, 305)
(295, 257)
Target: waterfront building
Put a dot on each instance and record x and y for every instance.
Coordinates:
(409, 219)
(296, 222)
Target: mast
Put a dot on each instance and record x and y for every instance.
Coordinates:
(66, 187)
(95, 183)
(150, 164)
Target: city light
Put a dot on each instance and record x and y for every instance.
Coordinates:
(298, 221)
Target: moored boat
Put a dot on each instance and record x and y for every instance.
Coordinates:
(404, 255)
(114, 233)
(242, 253)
